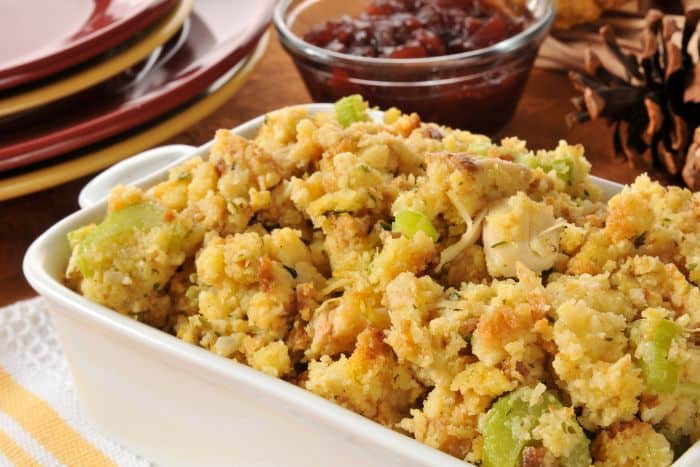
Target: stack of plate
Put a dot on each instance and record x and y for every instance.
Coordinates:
(86, 83)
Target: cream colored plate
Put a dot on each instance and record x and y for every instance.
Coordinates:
(54, 90)
(62, 172)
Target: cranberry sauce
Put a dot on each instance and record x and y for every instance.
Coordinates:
(417, 29)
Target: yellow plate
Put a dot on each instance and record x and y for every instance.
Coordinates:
(75, 168)
(158, 35)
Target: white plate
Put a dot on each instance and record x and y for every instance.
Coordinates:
(177, 404)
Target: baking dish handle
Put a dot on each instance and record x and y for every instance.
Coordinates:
(129, 171)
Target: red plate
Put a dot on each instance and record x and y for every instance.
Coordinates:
(218, 34)
(40, 37)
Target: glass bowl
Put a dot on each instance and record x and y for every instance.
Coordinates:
(477, 90)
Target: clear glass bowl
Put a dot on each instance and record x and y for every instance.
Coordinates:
(477, 90)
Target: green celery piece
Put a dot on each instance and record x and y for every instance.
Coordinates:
(351, 109)
(580, 456)
(564, 168)
(116, 226)
(408, 222)
(660, 373)
(503, 449)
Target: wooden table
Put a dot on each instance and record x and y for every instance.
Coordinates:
(275, 83)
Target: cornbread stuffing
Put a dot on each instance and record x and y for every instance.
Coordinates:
(480, 297)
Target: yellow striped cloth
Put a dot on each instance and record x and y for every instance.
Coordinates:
(40, 419)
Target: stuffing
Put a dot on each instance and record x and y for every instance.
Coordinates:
(370, 381)
(446, 422)
(645, 219)
(513, 331)
(475, 295)
(335, 324)
(630, 444)
(593, 365)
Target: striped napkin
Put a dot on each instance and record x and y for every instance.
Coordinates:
(40, 419)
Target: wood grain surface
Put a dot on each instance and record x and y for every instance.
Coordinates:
(275, 83)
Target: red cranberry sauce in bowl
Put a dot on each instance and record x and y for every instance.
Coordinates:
(462, 63)
(417, 29)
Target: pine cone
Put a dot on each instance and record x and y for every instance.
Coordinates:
(655, 109)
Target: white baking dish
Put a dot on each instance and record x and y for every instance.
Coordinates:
(177, 404)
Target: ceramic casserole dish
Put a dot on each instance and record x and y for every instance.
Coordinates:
(177, 404)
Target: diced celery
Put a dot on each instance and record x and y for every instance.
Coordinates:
(501, 447)
(408, 222)
(114, 229)
(564, 168)
(506, 423)
(579, 456)
(660, 373)
(351, 109)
